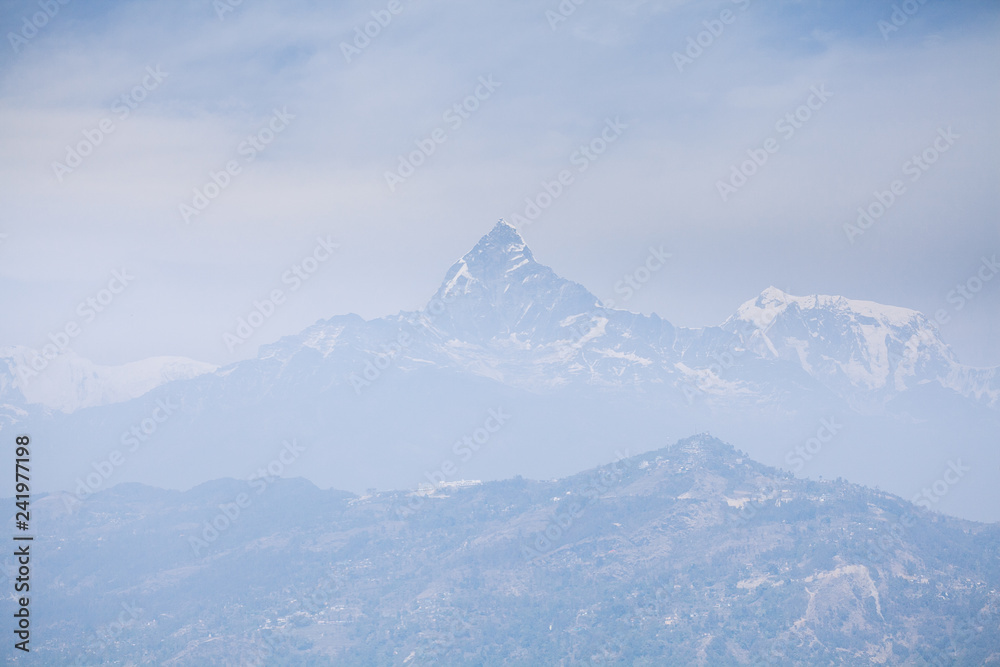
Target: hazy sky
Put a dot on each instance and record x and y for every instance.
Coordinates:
(201, 85)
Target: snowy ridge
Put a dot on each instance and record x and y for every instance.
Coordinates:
(857, 347)
(70, 382)
(499, 314)
(773, 301)
(378, 399)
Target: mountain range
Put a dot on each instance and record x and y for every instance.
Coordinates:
(692, 554)
(820, 385)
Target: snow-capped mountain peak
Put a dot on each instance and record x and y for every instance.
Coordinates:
(498, 289)
(499, 254)
(772, 301)
(501, 314)
(847, 344)
(383, 396)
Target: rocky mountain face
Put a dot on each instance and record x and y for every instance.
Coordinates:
(693, 554)
(501, 314)
(381, 402)
(861, 350)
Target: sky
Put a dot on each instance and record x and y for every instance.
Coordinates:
(118, 119)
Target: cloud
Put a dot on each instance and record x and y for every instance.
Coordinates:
(353, 121)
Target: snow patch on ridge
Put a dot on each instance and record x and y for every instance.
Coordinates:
(772, 302)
